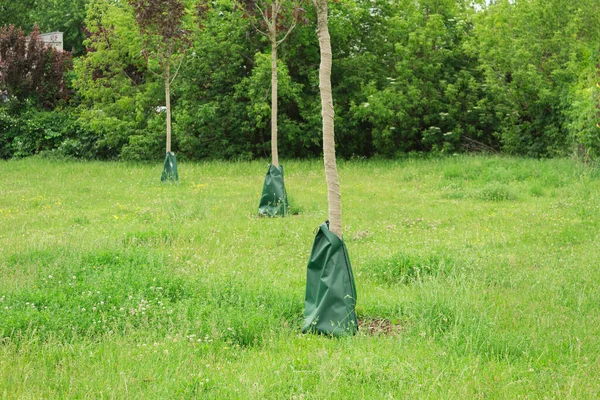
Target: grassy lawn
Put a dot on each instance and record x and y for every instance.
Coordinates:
(113, 285)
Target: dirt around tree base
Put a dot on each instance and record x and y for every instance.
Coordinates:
(378, 326)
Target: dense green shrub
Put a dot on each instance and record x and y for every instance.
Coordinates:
(8, 127)
(429, 76)
(532, 54)
(37, 131)
(147, 145)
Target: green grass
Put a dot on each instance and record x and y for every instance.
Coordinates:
(113, 285)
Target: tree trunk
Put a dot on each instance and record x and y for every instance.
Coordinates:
(333, 186)
(168, 105)
(274, 153)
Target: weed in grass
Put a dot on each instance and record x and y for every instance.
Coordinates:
(83, 220)
(420, 223)
(497, 192)
(406, 269)
(433, 318)
(536, 190)
(148, 238)
(456, 194)
(498, 172)
(576, 233)
(457, 171)
(294, 208)
(359, 235)
(453, 172)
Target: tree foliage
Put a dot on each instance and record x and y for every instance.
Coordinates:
(531, 54)
(31, 70)
(439, 76)
(65, 16)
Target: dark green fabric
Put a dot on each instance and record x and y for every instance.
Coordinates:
(170, 170)
(274, 199)
(330, 302)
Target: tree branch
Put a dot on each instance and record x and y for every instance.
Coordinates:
(287, 33)
(255, 26)
(177, 71)
(264, 15)
(127, 75)
(150, 69)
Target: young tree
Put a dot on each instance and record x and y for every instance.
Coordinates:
(330, 302)
(165, 40)
(334, 196)
(275, 19)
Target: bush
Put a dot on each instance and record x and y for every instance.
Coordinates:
(37, 131)
(30, 69)
(8, 126)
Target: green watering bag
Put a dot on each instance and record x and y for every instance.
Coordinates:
(274, 199)
(170, 170)
(330, 303)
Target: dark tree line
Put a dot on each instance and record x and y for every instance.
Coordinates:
(439, 76)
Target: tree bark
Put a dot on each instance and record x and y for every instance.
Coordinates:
(331, 176)
(274, 152)
(168, 104)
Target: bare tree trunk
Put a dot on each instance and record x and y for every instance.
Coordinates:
(274, 153)
(168, 105)
(333, 186)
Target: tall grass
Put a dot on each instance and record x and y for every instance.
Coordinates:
(113, 285)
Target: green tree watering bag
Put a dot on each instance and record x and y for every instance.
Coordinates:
(274, 199)
(330, 302)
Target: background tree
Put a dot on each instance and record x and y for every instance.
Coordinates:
(33, 88)
(436, 76)
(532, 54)
(31, 70)
(428, 95)
(275, 19)
(585, 112)
(65, 16)
(17, 13)
(214, 113)
(165, 42)
(334, 196)
(117, 95)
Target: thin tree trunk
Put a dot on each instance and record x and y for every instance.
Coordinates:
(333, 186)
(274, 153)
(168, 105)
